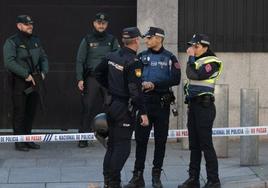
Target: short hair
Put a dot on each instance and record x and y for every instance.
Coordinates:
(162, 38)
(128, 41)
(204, 45)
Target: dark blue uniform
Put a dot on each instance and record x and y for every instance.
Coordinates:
(201, 114)
(161, 68)
(203, 70)
(120, 73)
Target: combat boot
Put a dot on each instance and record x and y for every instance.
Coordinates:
(137, 181)
(113, 184)
(156, 182)
(211, 184)
(191, 182)
(106, 181)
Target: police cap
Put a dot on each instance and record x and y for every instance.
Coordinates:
(25, 19)
(131, 32)
(155, 31)
(101, 17)
(199, 39)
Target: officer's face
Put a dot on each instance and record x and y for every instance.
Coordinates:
(153, 41)
(199, 49)
(100, 26)
(26, 28)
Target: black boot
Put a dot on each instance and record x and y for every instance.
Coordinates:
(191, 182)
(113, 184)
(156, 182)
(106, 179)
(21, 146)
(32, 145)
(82, 144)
(211, 184)
(137, 181)
(114, 179)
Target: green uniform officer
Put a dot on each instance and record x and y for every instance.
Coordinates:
(27, 64)
(92, 49)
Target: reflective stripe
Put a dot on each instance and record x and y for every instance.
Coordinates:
(206, 60)
(211, 81)
(205, 93)
(201, 83)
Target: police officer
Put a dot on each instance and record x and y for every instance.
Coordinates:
(26, 60)
(203, 69)
(120, 72)
(161, 71)
(92, 49)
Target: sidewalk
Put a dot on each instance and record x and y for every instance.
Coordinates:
(64, 165)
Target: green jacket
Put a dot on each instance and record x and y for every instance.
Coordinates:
(91, 50)
(17, 59)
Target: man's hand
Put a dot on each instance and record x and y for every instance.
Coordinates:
(144, 120)
(81, 85)
(190, 51)
(30, 79)
(147, 86)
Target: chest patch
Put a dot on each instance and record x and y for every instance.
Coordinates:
(22, 46)
(93, 44)
(138, 72)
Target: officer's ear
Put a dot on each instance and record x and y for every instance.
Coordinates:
(19, 26)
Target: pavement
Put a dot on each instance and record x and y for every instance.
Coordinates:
(64, 165)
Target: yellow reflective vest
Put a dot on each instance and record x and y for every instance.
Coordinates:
(201, 87)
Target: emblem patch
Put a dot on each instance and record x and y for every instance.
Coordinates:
(208, 68)
(93, 44)
(138, 72)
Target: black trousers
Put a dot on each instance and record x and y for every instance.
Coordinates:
(92, 103)
(119, 141)
(24, 106)
(159, 119)
(200, 122)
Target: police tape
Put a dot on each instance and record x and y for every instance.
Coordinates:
(216, 132)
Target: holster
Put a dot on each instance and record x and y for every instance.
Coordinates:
(38, 82)
(168, 98)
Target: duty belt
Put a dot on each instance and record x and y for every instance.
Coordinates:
(202, 98)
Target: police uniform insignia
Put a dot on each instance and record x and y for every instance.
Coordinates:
(148, 58)
(109, 44)
(177, 65)
(28, 18)
(22, 46)
(102, 17)
(36, 45)
(138, 72)
(208, 68)
(93, 44)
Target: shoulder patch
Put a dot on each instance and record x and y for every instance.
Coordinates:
(177, 65)
(208, 68)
